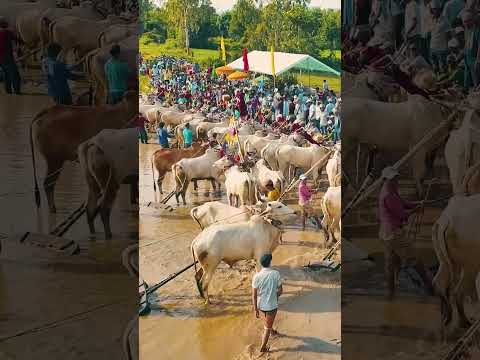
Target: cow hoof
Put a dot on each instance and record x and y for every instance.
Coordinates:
(53, 210)
(92, 237)
(108, 236)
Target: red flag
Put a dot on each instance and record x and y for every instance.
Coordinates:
(245, 60)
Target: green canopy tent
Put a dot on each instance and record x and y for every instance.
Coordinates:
(260, 62)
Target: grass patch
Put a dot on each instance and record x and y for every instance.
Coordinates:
(334, 82)
(151, 50)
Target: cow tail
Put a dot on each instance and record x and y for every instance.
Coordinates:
(32, 148)
(100, 38)
(153, 173)
(193, 214)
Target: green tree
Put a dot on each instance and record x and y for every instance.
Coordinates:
(207, 27)
(183, 18)
(223, 23)
(243, 15)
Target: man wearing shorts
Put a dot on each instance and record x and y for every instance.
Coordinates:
(266, 289)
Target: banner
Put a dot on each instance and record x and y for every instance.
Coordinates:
(272, 55)
(222, 46)
(245, 60)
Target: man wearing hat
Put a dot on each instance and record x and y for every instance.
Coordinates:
(266, 289)
(304, 199)
(399, 250)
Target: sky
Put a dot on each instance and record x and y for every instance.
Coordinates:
(222, 5)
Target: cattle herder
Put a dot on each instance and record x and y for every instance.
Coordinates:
(266, 289)
(58, 74)
(304, 200)
(116, 72)
(394, 212)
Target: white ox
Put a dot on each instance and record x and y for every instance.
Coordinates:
(263, 175)
(33, 26)
(293, 157)
(334, 169)
(257, 142)
(117, 33)
(332, 210)
(269, 151)
(81, 35)
(216, 212)
(463, 150)
(456, 244)
(240, 186)
(204, 127)
(375, 122)
(198, 168)
(10, 11)
(174, 117)
(107, 160)
(234, 242)
(95, 66)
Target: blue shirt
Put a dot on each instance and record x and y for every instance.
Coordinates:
(187, 136)
(58, 74)
(162, 136)
(329, 108)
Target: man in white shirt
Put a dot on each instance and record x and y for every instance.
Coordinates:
(266, 289)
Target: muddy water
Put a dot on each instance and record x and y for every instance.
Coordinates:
(181, 326)
(92, 291)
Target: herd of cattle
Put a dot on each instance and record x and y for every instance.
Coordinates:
(371, 121)
(247, 226)
(85, 32)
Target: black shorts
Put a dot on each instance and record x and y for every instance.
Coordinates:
(271, 312)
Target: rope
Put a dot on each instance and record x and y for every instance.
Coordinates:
(464, 343)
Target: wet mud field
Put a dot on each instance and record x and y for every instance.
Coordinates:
(180, 326)
(49, 299)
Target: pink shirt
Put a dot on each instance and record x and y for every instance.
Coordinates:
(393, 209)
(304, 193)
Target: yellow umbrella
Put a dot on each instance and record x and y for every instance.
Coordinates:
(238, 75)
(224, 70)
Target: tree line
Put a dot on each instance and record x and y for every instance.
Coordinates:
(289, 25)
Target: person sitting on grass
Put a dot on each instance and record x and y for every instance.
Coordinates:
(266, 289)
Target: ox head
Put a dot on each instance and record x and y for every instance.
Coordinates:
(281, 214)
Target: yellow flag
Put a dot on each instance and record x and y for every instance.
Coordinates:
(272, 55)
(222, 46)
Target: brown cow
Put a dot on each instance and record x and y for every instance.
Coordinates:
(58, 130)
(163, 159)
